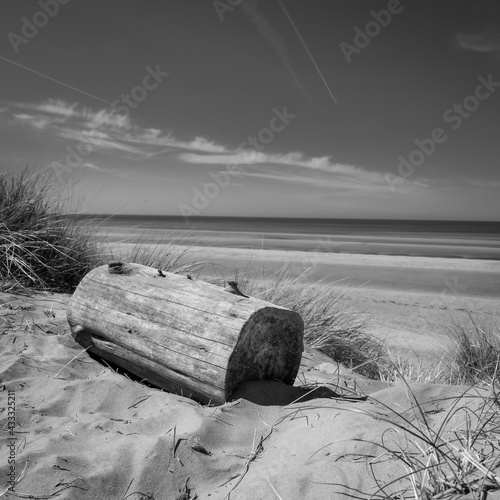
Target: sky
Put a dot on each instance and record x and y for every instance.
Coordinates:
(272, 108)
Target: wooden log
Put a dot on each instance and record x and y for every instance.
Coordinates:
(184, 335)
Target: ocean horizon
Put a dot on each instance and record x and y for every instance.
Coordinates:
(432, 238)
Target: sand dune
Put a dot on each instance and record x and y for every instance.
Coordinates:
(84, 431)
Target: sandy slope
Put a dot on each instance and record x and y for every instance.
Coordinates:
(84, 431)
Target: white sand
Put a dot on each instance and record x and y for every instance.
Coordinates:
(84, 431)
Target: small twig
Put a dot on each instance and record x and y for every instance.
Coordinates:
(139, 402)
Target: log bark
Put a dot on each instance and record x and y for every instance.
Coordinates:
(184, 335)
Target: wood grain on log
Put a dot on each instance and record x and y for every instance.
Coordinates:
(184, 335)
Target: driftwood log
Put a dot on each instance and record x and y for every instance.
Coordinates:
(182, 334)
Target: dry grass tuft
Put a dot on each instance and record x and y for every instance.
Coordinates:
(474, 347)
(41, 247)
(442, 455)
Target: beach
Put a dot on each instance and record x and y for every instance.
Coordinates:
(406, 300)
(76, 428)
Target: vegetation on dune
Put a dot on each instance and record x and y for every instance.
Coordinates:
(161, 255)
(474, 349)
(447, 448)
(40, 247)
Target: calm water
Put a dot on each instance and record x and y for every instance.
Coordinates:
(480, 240)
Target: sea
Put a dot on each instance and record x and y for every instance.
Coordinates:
(424, 238)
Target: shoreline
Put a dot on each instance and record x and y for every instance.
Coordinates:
(405, 246)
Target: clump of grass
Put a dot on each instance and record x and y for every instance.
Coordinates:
(164, 255)
(447, 447)
(475, 348)
(40, 247)
(439, 372)
(330, 323)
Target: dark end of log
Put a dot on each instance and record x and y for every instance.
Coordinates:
(269, 348)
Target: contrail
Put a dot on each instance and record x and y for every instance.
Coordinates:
(272, 37)
(54, 80)
(307, 50)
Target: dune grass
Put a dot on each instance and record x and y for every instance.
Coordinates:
(163, 254)
(40, 247)
(446, 448)
(474, 346)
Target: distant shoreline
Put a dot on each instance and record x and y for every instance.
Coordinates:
(452, 247)
(270, 218)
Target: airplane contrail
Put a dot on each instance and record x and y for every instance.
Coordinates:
(307, 50)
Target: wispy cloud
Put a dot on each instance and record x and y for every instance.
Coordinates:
(296, 168)
(484, 183)
(105, 129)
(38, 122)
(67, 112)
(106, 132)
(57, 107)
(154, 137)
(112, 171)
(98, 139)
(486, 42)
(94, 167)
(369, 185)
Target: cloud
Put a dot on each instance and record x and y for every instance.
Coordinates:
(23, 116)
(95, 167)
(154, 137)
(61, 111)
(484, 184)
(106, 130)
(486, 42)
(294, 167)
(252, 157)
(103, 131)
(106, 117)
(57, 107)
(38, 122)
(98, 139)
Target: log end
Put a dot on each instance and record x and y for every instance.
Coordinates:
(269, 348)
